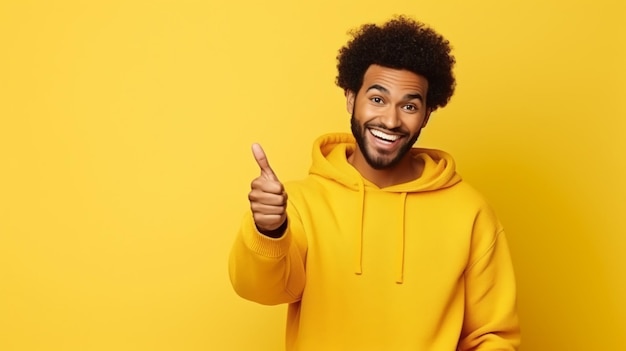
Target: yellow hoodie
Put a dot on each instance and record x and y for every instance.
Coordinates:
(421, 266)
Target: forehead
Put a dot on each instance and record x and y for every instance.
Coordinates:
(394, 79)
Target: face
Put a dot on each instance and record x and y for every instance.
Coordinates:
(388, 113)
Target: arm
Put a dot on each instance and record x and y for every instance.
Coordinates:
(491, 321)
(267, 260)
(269, 270)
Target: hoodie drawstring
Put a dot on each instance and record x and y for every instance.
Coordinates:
(359, 246)
(402, 241)
(358, 267)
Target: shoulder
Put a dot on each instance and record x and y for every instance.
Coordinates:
(462, 199)
(463, 192)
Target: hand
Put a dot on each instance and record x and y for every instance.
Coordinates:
(268, 199)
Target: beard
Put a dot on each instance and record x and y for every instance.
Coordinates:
(375, 159)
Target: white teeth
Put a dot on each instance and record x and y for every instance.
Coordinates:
(388, 137)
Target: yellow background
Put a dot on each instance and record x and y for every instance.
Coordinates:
(125, 132)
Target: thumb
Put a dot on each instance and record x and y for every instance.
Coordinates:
(261, 160)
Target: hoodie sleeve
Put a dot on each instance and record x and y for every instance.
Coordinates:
(267, 270)
(491, 321)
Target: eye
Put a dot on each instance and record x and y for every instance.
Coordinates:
(410, 107)
(377, 100)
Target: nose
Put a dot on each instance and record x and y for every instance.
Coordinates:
(391, 118)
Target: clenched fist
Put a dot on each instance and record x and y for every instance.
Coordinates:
(268, 199)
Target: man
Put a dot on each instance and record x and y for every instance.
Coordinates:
(382, 246)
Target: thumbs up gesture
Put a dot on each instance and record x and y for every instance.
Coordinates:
(268, 199)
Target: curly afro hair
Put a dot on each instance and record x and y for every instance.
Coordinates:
(401, 43)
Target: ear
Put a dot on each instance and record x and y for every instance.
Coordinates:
(427, 117)
(350, 97)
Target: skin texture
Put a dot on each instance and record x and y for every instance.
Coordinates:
(394, 102)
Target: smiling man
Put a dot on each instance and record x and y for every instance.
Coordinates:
(383, 246)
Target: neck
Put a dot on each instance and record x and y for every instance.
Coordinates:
(406, 170)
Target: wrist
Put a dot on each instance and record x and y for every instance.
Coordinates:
(275, 233)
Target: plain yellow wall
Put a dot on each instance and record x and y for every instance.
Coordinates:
(125, 132)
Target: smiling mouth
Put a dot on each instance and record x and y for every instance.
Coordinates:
(390, 138)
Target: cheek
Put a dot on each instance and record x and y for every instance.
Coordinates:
(365, 111)
(414, 123)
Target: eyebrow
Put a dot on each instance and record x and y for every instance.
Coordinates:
(386, 91)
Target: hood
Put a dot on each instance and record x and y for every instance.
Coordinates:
(330, 161)
(330, 153)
